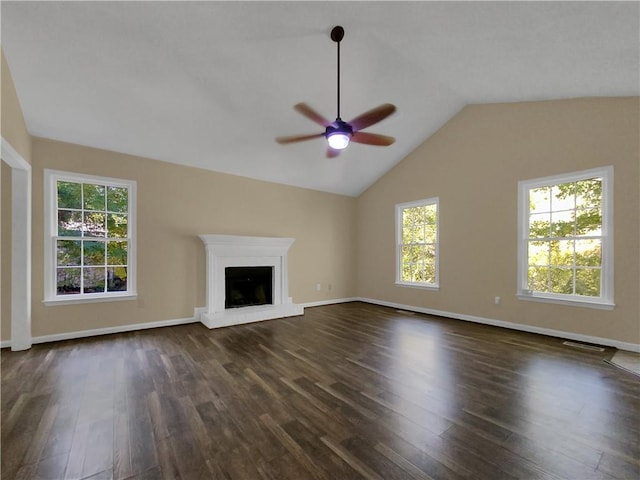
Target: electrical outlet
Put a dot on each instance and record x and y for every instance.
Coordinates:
(318, 287)
(497, 300)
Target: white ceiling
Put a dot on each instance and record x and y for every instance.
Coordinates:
(211, 84)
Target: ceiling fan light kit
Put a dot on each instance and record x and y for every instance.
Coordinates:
(340, 133)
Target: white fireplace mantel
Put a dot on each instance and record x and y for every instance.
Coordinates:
(241, 251)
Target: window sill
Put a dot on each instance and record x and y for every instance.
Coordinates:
(67, 300)
(423, 286)
(600, 305)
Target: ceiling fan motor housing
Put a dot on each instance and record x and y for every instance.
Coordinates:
(339, 126)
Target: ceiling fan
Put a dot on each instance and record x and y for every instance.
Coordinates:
(339, 133)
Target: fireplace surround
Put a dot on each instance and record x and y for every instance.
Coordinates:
(225, 251)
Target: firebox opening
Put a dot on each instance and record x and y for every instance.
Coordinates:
(248, 286)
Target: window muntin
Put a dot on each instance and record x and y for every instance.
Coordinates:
(565, 248)
(90, 237)
(417, 243)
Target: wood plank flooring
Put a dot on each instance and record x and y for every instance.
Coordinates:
(346, 391)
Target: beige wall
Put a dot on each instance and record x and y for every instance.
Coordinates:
(177, 203)
(14, 129)
(473, 164)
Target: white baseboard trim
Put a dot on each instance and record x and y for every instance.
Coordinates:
(198, 312)
(632, 347)
(330, 302)
(109, 330)
(197, 315)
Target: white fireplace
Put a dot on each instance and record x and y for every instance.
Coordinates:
(225, 251)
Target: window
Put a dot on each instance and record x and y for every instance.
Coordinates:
(89, 238)
(417, 243)
(566, 238)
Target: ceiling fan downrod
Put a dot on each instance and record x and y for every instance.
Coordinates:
(337, 34)
(339, 133)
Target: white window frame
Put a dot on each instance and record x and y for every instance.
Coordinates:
(51, 177)
(606, 298)
(399, 209)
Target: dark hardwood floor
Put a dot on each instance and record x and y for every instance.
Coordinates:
(344, 392)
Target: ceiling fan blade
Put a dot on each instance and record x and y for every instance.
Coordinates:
(311, 114)
(372, 116)
(331, 153)
(372, 139)
(297, 138)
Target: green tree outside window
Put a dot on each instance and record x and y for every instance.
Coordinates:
(565, 238)
(92, 238)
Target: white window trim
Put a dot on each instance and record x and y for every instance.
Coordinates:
(606, 299)
(418, 203)
(51, 178)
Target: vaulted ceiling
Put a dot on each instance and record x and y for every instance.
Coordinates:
(211, 84)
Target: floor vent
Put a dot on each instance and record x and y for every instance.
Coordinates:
(406, 312)
(591, 348)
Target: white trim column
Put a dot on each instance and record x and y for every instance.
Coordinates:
(20, 247)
